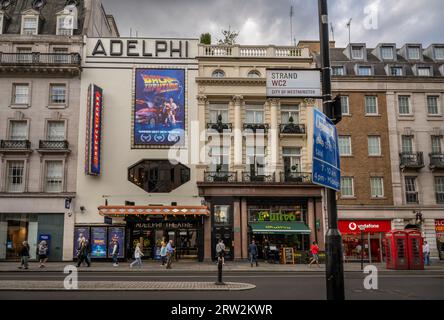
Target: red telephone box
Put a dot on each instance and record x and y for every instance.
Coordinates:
(396, 250)
(414, 249)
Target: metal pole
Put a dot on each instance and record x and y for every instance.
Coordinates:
(362, 250)
(219, 274)
(333, 239)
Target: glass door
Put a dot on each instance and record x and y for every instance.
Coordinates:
(17, 233)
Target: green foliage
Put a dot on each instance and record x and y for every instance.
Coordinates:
(229, 37)
(205, 38)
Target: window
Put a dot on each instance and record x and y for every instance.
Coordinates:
(371, 105)
(256, 161)
(357, 52)
(54, 176)
(374, 146)
(220, 158)
(64, 26)
(345, 148)
(56, 131)
(21, 94)
(218, 74)
(377, 187)
(255, 114)
(396, 71)
(424, 72)
(338, 71)
(254, 74)
(364, 71)
(436, 144)
(411, 193)
(288, 112)
(221, 215)
(344, 105)
(15, 177)
(439, 187)
(439, 52)
(30, 25)
(432, 105)
(413, 53)
(58, 94)
(217, 110)
(387, 53)
(404, 105)
(407, 144)
(61, 55)
(18, 130)
(24, 55)
(292, 159)
(347, 187)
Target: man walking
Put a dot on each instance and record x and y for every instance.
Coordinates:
(170, 252)
(252, 251)
(426, 253)
(82, 255)
(24, 255)
(115, 252)
(220, 250)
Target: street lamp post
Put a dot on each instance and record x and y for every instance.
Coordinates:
(333, 240)
(362, 246)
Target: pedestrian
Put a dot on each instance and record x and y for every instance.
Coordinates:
(314, 249)
(115, 252)
(170, 252)
(24, 255)
(163, 252)
(88, 251)
(138, 254)
(43, 253)
(82, 255)
(252, 251)
(426, 253)
(220, 250)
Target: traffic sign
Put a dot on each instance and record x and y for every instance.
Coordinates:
(326, 164)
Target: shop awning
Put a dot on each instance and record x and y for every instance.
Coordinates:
(275, 227)
(118, 211)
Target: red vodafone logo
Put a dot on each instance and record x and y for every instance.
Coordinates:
(352, 226)
(368, 226)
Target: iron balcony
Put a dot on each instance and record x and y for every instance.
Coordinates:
(411, 160)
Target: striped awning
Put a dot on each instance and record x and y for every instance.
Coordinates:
(121, 211)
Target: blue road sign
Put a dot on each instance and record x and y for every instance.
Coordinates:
(326, 164)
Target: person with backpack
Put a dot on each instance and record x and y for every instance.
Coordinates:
(138, 254)
(24, 255)
(43, 253)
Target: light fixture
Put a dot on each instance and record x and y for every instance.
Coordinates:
(82, 209)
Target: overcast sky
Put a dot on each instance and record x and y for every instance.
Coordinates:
(268, 21)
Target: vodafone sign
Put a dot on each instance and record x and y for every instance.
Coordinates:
(369, 226)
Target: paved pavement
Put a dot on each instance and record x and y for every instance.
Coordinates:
(149, 266)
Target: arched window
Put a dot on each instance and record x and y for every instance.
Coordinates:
(254, 74)
(218, 73)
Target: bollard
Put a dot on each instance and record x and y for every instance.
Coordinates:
(219, 269)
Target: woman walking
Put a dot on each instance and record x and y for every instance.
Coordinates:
(138, 254)
(43, 253)
(163, 252)
(315, 254)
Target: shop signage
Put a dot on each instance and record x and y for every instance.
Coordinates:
(326, 159)
(165, 225)
(277, 216)
(93, 130)
(439, 227)
(294, 83)
(98, 242)
(368, 226)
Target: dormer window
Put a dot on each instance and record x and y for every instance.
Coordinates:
(30, 25)
(357, 52)
(424, 72)
(413, 53)
(396, 71)
(364, 71)
(387, 53)
(338, 70)
(64, 25)
(439, 53)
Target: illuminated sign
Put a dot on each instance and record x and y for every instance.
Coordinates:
(94, 130)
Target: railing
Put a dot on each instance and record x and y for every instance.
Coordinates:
(253, 177)
(411, 159)
(291, 128)
(436, 160)
(411, 197)
(53, 145)
(255, 127)
(220, 127)
(15, 144)
(36, 58)
(296, 177)
(252, 51)
(220, 176)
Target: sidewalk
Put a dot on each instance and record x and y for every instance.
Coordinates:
(188, 266)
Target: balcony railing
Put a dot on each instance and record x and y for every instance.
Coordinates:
(253, 51)
(220, 127)
(15, 144)
(53, 145)
(253, 177)
(292, 128)
(411, 197)
(220, 176)
(439, 197)
(412, 160)
(437, 160)
(256, 127)
(296, 177)
(40, 59)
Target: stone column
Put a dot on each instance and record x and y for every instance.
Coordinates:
(199, 138)
(237, 230)
(238, 165)
(207, 239)
(244, 230)
(273, 136)
(311, 220)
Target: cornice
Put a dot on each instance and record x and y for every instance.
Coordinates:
(232, 81)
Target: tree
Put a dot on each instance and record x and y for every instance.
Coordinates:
(229, 37)
(205, 38)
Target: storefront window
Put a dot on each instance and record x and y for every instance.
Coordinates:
(221, 215)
